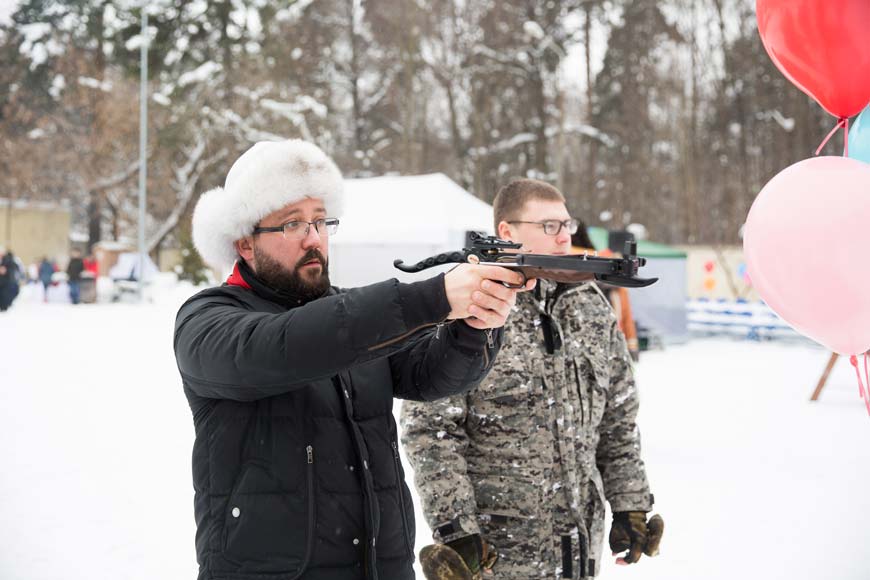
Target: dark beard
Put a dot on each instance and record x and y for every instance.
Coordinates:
(275, 275)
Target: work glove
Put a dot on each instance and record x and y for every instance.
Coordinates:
(631, 531)
(465, 558)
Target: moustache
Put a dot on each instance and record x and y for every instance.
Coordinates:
(312, 255)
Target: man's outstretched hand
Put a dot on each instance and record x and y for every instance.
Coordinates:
(477, 295)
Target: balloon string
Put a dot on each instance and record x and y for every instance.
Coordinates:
(846, 154)
(854, 362)
(866, 372)
(842, 122)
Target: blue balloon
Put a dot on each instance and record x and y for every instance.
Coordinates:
(859, 137)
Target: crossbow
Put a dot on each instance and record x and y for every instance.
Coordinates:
(493, 251)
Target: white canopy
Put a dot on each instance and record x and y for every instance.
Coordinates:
(405, 217)
(127, 267)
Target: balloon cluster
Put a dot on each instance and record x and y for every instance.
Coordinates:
(808, 232)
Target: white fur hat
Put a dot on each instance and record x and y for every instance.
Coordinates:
(267, 177)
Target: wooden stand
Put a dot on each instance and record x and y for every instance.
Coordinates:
(824, 378)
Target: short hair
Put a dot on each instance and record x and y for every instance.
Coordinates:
(511, 198)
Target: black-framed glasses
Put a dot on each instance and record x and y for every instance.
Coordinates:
(553, 227)
(298, 229)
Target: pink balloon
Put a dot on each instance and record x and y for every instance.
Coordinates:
(806, 242)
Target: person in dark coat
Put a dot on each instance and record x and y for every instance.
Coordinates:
(9, 280)
(74, 275)
(291, 380)
(45, 272)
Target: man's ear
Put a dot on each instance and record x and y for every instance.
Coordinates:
(504, 231)
(245, 248)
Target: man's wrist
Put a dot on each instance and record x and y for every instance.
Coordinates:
(424, 302)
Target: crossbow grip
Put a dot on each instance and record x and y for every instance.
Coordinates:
(445, 258)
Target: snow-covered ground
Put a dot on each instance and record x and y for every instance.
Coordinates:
(753, 481)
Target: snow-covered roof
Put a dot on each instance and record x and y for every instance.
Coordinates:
(414, 208)
(62, 205)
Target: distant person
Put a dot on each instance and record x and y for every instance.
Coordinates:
(74, 275)
(92, 266)
(47, 268)
(10, 276)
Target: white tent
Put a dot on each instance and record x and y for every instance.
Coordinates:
(402, 217)
(127, 267)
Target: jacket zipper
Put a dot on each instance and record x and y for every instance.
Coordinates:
(579, 393)
(309, 540)
(490, 344)
(403, 336)
(399, 484)
(309, 451)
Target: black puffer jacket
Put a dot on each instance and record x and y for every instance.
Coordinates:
(295, 465)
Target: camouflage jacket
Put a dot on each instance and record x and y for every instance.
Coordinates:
(528, 457)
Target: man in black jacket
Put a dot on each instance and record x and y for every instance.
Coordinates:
(74, 276)
(291, 381)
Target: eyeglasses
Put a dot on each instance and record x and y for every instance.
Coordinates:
(297, 229)
(553, 227)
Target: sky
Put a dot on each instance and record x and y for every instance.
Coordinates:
(6, 9)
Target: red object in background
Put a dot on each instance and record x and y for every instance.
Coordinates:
(822, 47)
(91, 266)
(708, 266)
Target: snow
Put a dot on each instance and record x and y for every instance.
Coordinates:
(533, 30)
(58, 84)
(38, 44)
(294, 12)
(105, 86)
(752, 479)
(201, 73)
(295, 111)
(787, 123)
(161, 99)
(639, 230)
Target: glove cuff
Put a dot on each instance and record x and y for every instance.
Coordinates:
(470, 548)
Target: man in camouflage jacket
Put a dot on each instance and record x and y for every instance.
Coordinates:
(525, 461)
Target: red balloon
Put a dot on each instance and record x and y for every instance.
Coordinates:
(823, 47)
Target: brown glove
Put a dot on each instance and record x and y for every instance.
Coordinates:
(631, 531)
(465, 558)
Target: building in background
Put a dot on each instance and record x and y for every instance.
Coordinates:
(33, 229)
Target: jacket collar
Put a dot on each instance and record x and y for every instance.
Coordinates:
(244, 277)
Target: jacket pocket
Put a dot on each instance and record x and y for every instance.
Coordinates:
(500, 495)
(400, 485)
(508, 515)
(268, 529)
(592, 374)
(496, 408)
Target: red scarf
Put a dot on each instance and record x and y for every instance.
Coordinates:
(236, 279)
